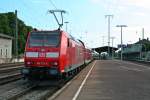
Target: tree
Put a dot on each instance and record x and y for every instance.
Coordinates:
(7, 26)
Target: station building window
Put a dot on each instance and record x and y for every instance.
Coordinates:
(1, 53)
(6, 53)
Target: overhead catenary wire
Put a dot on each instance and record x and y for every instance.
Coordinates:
(55, 13)
(53, 4)
(30, 14)
(33, 16)
(60, 24)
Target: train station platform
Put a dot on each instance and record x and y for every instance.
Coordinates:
(109, 80)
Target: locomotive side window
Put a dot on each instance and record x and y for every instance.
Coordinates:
(44, 39)
(68, 42)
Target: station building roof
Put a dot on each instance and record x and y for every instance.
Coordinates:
(104, 49)
(5, 36)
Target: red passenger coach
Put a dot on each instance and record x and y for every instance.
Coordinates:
(88, 55)
(52, 53)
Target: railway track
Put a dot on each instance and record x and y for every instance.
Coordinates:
(10, 72)
(11, 65)
(36, 91)
(31, 91)
(9, 78)
(16, 92)
(10, 69)
(42, 92)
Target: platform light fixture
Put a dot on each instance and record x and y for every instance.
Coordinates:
(121, 26)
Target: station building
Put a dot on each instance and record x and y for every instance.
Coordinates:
(5, 46)
(137, 51)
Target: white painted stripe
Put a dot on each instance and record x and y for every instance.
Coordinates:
(83, 82)
(138, 65)
(59, 91)
(133, 69)
(132, 64)
(63, 88)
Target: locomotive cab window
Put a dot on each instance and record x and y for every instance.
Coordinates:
(44, 39)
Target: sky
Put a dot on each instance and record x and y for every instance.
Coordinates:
(86, 18)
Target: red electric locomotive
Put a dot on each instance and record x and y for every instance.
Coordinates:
(53, 53)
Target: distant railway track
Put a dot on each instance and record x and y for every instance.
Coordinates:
(10, 72)
(10, 69)
(10, 64)
(9, 78)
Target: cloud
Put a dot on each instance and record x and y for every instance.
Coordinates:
(138, 3)
(37, 1)
(140, 14)
(95, 1)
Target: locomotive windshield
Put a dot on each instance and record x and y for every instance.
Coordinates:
(44, 39)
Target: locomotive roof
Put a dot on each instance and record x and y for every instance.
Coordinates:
(46, 31)
(59, 31)
(76, 40)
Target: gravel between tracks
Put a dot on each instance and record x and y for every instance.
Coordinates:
(22, 90)
(14, 90)
(38, 93)
(6, 87)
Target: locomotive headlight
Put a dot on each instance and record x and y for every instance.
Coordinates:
(31, 54)
(28, 63)
(54, 63)
(52, 54)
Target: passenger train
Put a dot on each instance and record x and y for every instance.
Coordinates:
(53, 53)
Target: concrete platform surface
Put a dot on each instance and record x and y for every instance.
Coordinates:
(110, 80)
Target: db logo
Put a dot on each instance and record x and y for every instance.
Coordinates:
(41, 54)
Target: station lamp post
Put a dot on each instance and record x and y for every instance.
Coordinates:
(121, 26)
(109, 19)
